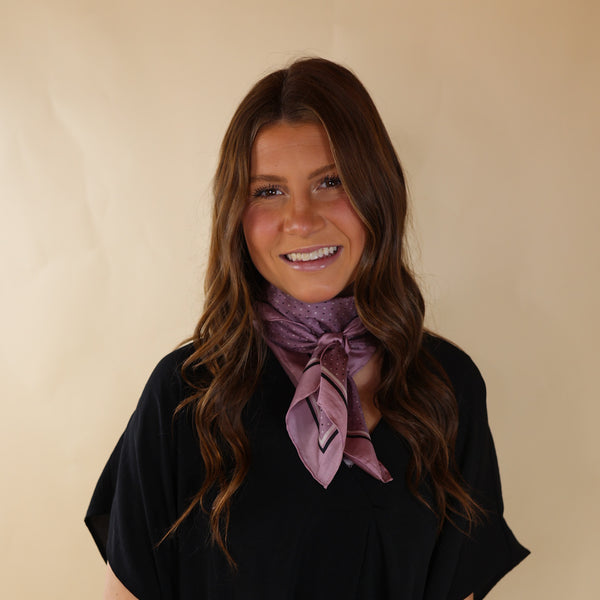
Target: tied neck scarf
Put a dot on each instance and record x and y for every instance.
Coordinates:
(321, 346)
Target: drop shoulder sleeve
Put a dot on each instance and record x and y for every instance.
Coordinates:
(473, 561)
(135, 500)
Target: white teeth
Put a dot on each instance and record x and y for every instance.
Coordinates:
(314, 255)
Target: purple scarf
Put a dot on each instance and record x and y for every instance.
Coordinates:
(321, 346)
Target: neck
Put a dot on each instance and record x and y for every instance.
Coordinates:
(367, 381)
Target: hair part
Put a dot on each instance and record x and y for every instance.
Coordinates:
(415, 396)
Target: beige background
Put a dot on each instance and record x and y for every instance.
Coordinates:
(111, 114)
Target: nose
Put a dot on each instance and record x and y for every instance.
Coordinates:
(301, 215)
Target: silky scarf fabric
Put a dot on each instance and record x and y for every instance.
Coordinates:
(321, 346)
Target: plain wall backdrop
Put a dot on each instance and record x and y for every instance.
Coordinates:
(111, 115)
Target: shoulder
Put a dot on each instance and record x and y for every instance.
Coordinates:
(165, 387)
(168, 369)
(464, 376)
(453, 359)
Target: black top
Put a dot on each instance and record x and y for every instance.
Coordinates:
(291, 538)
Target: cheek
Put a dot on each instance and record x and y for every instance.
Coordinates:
(349, 222)
(356, 231)
(259, 231)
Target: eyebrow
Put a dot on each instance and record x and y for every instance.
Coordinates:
(276, 178)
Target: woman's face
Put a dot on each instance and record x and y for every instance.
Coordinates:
(302, 233)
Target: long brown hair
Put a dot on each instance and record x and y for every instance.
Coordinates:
(414, 397)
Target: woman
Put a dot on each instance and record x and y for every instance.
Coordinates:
(312, 441)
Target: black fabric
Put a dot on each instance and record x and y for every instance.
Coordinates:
(292, 539)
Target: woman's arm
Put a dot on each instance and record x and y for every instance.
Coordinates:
(471, 597)
(114, 589)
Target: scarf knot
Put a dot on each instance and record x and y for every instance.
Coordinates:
(329, 340)
(321, 346)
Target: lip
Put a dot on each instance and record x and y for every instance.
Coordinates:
(313, 265)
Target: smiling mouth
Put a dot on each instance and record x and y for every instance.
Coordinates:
(303, 257)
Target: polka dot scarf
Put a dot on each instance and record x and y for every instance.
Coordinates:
(321, 346)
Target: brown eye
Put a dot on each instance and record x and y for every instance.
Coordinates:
(331, 181)
(266, 191)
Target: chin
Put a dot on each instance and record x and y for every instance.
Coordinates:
(317, 295)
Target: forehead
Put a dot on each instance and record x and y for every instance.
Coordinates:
(283, 145)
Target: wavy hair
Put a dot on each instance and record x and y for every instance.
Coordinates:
(414, 396)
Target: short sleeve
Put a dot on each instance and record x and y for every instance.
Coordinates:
(134, 502)
(473, 559)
